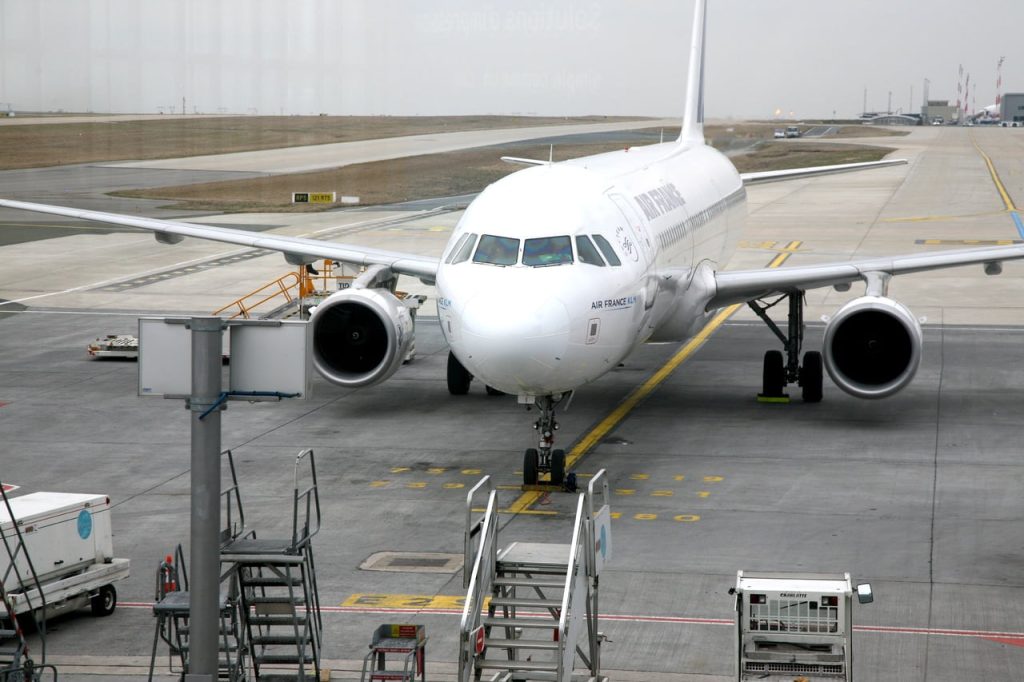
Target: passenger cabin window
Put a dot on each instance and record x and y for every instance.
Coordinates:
(467, 248)
(497, 250)
(545, 251)
(455, 249)
(586, 251)
(607, 250)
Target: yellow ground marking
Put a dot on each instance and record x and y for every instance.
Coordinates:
(400, 470)
(639, 477)
(663, 493)
(454, 486)
(436, 470)
(746, 244)
(591, 439)
(624, 491)
(408, 601)
(969, 242)
(687, 518)
(416, 484)
(680, 477)
(645, 517)
(1007, 201)
(940, 218)
(379, 484)
(713, 479)
(703, 493)
(472, 472)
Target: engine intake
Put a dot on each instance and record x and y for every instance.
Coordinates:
(360, 336)
(872, 347)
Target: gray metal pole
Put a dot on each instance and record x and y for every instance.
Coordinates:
(204, 581)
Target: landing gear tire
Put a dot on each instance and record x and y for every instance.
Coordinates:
(557, 467)
(531, 461)
(459, 377)
(811, 377)
(773, 376)
(104, 603)
(493, 391)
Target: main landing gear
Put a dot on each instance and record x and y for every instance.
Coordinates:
(459, 378)
(544, 458)
(781, 370)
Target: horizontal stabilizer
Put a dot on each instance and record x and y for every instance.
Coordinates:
(812, 171)
(524, 162)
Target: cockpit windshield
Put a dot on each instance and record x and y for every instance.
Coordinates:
(547, 251)
(497, 250)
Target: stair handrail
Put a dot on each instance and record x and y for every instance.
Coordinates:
(282, 290)
(310, 497)
(579, 534)
(602, 477)
(473, 528)
(480, 582)
(232, 512)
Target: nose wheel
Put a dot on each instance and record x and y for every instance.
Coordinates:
(545, 458)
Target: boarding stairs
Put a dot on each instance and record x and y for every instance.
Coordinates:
(172, 609)
(16, 573)
(279, 602)
(532, 609)
(172, 603)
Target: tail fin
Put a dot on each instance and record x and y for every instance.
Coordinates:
(693, 116)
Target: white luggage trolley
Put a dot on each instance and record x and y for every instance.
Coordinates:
(795, 625)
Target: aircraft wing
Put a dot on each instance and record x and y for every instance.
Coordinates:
(740, 286)
(762, 177)
(295, 249)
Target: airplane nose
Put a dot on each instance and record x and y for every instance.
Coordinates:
(518, 344)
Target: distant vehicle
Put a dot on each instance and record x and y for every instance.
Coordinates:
(937, 121)
(779, 133)
(792, 131)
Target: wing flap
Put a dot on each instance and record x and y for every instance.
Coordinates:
(170, 231)
(746, 285)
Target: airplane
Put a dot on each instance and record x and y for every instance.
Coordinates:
(557, 272)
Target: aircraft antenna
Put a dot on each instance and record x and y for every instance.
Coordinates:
(551, 154)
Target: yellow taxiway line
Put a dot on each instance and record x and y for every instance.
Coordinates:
(586, 444)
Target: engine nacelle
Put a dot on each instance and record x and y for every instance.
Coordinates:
(872, 347)
(360, 336)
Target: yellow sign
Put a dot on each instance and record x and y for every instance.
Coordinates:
(314, 197)
(407, 601)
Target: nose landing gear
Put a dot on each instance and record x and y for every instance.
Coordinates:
(544, 458)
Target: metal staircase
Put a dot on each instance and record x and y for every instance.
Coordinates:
(278, 599)
(539, 599)
(172, 601)
(18, 573)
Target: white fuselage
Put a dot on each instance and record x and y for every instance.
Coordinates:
(533, 303)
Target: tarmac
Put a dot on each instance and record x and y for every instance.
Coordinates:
(917, 494)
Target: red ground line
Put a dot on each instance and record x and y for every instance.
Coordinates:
(1014, 638)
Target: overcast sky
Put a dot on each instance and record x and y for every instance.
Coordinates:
(554, 57)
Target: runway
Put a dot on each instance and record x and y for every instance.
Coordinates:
(918, 493)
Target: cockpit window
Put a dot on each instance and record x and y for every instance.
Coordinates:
(497, 250)
(455, 249)
(547, 251)
(586, 251)
(607, 250)
(467, 248)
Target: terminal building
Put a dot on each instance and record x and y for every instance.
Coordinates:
(937, 109)
(1012, 108)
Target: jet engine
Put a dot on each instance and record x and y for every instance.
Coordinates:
(872, 347)
(360, 336)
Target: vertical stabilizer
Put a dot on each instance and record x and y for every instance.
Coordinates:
(693, 116)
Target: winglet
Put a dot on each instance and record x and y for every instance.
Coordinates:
(693, 116)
